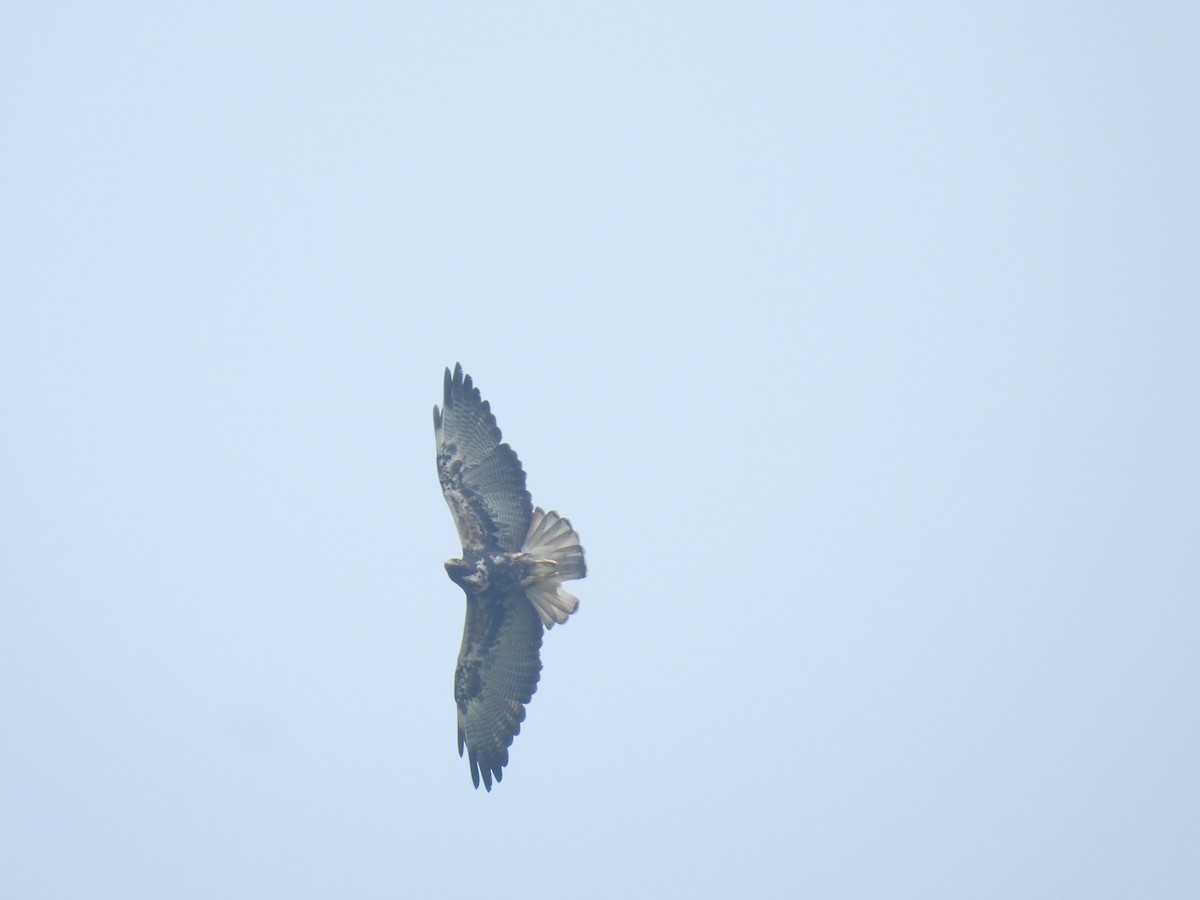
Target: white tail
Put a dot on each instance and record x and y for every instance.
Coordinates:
(552, 538)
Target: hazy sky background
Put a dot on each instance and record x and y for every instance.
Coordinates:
(861, 343)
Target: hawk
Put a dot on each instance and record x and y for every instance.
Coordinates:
(515, 557)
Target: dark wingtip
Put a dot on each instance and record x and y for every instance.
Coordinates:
(474, 763)
(486, 772)
(457, 382)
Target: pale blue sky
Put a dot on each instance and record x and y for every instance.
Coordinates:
(859, 341)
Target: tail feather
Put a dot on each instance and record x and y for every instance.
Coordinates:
(553, 605)
(551, 537)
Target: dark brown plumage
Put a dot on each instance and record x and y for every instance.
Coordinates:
(515, 558)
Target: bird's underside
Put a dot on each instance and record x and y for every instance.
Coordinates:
(515, 559)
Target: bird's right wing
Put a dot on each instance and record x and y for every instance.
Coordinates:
(497, 674)
(482, 479)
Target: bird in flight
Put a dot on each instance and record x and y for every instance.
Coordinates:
(515, 557)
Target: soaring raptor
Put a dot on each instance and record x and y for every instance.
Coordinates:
(515, 558)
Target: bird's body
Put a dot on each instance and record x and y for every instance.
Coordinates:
(515, 558)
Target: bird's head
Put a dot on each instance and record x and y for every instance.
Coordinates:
(466, 576)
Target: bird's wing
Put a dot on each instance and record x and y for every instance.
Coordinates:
(482, 479)
(498, 669)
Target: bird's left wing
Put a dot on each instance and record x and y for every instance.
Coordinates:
(482, 479)
(497, 674)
